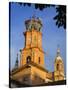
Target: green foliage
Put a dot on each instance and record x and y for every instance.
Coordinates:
(61, 16)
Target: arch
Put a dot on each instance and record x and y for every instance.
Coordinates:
(39, 60)
(28, 59)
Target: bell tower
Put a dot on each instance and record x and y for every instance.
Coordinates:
(33, 51)
(59, 67)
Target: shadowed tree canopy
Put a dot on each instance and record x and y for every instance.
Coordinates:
(60, 17)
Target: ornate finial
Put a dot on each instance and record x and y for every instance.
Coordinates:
(58, 50)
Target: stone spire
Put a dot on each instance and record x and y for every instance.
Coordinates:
(16, 63)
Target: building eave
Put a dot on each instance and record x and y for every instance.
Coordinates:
(28, 66)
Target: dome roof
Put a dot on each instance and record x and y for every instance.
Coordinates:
(58, 58)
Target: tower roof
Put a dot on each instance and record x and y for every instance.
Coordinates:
(34, 22)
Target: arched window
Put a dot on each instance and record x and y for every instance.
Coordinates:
(28, 59)
(39, 60)
(57, 67)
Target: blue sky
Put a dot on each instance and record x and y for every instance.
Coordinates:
(52, 35)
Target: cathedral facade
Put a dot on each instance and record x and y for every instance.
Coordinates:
(32, 70)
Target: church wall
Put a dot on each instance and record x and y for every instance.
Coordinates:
(49, 75)
(35, 55)
(19, 75)
(38, 72)
(34, 38)
(58, 76)
(25, 54)
(28, 39)
(40, 40)
(38, 55)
